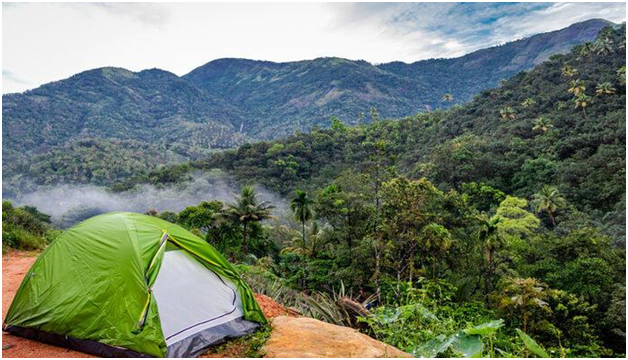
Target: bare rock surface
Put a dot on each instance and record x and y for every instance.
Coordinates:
(306, 337)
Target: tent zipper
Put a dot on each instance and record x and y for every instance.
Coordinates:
(142, 320)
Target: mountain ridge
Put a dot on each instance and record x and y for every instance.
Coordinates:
(406, 88)
(189, 117)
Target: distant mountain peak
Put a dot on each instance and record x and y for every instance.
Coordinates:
(228, 101)
(273, 95)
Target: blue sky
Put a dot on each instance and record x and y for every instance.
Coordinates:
(43, 42)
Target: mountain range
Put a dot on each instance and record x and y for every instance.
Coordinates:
(166, 118)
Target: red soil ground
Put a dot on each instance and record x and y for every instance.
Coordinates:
(14, 266)
(271, 309)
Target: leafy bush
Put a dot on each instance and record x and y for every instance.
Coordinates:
(25, 228)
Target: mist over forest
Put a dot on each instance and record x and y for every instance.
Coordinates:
(68, 203)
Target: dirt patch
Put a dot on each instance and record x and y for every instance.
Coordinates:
(271, 309)
(14, 266)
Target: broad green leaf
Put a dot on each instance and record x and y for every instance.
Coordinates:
(467, 345)
(486, 328)
(434, 347)
(532, 345)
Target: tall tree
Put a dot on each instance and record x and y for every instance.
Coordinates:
(604, 88)
(436, 239)
(408, 206)
(524, 294)
(541, 124)
(378, 169)
(582, 101)
(548, 199)
(492, 241)
(604, 46)
(301, 206)
(577, 87)
(248, 209)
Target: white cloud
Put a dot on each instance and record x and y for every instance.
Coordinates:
(43, 42)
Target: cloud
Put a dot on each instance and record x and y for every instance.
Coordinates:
(14, 82)
(61, 200)
(454, 29)
(52, 41)
(556, 16)
(152, 14)
(10, 76)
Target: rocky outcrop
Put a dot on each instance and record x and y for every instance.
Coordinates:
(306, 337)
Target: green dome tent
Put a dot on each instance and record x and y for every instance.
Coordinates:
(125, 284)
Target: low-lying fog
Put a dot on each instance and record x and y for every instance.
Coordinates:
(68, 204)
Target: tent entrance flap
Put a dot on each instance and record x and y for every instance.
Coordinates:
(192, 298)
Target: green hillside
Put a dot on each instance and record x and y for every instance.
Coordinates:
(153, 106)
(225, 102)
(280, 98)
(468, 75)
(518, 137)
(87, 161)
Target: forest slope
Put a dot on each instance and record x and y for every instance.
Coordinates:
(534, 130)
(280, 98)
(225, 102)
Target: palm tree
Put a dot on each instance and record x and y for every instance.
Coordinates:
(507, 113)
(569, 71)
(301, 205)
(319, 237)
(577, 87)
(604, 88)
(586, 49)
(437, 239)
(604, 46)
(247, 209)
(523, 294)
(621, 74)
(529, 102)
(492, 240)
(374, 114)
(542, 124)
(582, 101)
(548, 199)
(448, 97)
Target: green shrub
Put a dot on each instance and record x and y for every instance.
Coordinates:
(25, 228)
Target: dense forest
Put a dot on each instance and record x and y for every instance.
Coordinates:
(227, 102)
(493, 228)
(140, 119)
(561, 125)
